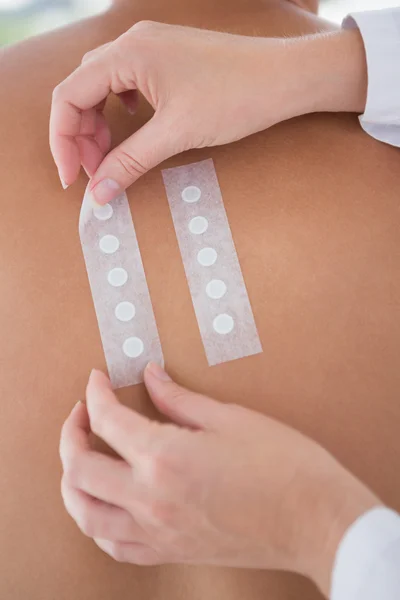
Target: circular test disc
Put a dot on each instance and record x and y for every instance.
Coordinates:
(216, 289)
(125, 311)
(223, 324)
(191, 194)
(133, 347)
(103, 213)
(109, 244)
(198, 225)
(117, 277)
(207, 257)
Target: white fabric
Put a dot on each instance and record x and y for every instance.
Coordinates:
(380, 30)
(367, 565)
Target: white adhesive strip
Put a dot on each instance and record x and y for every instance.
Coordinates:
(119, 288)
(211, 264)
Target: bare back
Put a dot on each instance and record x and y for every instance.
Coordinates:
(313, 206)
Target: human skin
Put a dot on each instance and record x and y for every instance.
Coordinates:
(170, 65)
(313, 208)
(201, 85)
(222, 486)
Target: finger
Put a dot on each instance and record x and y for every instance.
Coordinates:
(136, 554)
(181, 405)
(75, 431)
(101, 476)
(98, 519)
(123, 429)
(94, 142)
(94, 53)
(150, 145)
(87, 87)
(105, 478)
(103, 133)
(128, 98)
(90, 153)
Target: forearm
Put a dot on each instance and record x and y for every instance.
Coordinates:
(336, 71)
(326, 73)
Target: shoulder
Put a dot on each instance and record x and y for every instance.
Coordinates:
(46, 59)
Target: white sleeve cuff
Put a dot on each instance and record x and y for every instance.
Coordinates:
(380, 30)
(367, 565)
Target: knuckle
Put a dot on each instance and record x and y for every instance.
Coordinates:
(98, 418)
(156, 470)
(160, 458)
(116, 551)
(65, 487)
(58, 92)
(84, 520)
(62, 447)
(143, 25)
(88, 56)
(72, 473)
(96, 52)
(66, 497)
(177, 395)
(133, 167)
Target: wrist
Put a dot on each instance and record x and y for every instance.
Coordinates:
(329, 72)
(334, 499)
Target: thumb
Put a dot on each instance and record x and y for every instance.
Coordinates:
(145, 149)
(181, 405)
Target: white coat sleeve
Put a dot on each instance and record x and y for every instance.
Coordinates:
(380, 30)
(367, 565)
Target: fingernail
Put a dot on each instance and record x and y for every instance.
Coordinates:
(94, 203)
(64, 185)
(76, 406)
(96, 373)
(105, 191)
(158, 372)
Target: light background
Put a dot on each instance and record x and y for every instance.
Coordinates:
(22, 18)
(336, 10)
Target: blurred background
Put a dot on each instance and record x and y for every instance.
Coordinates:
(22, 18)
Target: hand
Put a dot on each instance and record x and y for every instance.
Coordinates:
(222, 486)
(206, 88)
